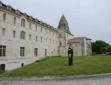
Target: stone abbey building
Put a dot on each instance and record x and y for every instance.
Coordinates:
(24, 39)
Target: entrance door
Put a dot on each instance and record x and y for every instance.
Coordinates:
(2, 67)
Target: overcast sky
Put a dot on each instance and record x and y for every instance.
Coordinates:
(89, 18)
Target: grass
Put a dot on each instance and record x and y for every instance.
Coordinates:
(57, 66)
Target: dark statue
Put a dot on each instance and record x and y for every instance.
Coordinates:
(70, 56)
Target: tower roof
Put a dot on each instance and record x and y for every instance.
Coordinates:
(63, 23)
(63, 20)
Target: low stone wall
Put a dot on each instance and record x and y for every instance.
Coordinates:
(11, 64)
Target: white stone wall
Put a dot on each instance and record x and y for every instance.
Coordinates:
(81, 47)
(63, 48)
(13, 60)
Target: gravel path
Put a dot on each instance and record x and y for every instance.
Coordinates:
(103, 79)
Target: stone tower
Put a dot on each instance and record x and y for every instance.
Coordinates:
(64, 32)
(63, 24)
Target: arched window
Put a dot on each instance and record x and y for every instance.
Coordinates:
(23, 23)
(22, 35)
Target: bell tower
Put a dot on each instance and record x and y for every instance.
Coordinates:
(63, 24)
(63, 30)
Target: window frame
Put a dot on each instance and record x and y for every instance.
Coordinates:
(14, 34)
(22, 51)
(2, 50)
(14, 20)
(3, 31)
(22, 35)
(35, 51)
(22, 22)
(4, 16)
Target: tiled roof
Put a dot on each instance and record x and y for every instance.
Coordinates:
(80, 38)
(77, 39)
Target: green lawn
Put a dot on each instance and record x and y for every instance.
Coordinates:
(57, 66)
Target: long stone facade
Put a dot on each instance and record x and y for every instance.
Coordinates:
(24, 39)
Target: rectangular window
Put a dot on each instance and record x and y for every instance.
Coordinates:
(36, 27)
(46, 30)
(14, 34)
(22, 22)
(41, 28)
(76, 45)
(30, 37)
(36, 38)
(2, 50)
(50, 40)
(46, 40)
(4, 16)
(45, 52)
(41, 39)
(14, 20)
(36, 51)
(3, 32)
(22, 51)
(30, 25)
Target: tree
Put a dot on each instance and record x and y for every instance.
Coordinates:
(99, 46)
(103, 50)
(109, 49)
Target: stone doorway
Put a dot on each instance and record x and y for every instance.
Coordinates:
(2, 67)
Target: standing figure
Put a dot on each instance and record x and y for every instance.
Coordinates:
(70, 56)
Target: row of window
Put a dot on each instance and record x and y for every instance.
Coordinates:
(23, 23)
(22, 36)
(22, 51)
